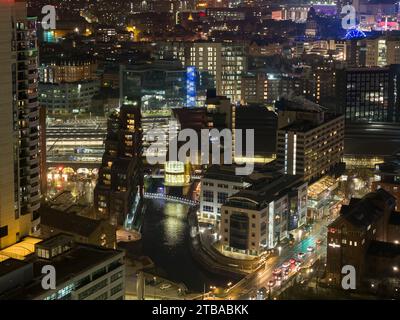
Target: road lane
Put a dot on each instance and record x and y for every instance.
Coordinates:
(260, 278)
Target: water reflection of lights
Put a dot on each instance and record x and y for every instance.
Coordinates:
(175, 215)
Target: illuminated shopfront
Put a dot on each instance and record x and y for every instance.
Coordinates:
(323, 199)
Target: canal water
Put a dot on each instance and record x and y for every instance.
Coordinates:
(166, 240)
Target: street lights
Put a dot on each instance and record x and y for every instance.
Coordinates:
(154, 291)
(213, 288)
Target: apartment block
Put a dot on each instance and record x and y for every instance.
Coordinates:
(119, 190)
(19, 124)
(225, 61)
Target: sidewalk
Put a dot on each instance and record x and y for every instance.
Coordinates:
(156, 288)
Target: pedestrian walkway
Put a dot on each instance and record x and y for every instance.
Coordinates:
(162, 196)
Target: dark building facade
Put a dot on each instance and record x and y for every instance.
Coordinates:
(119, 190)
(265, 125)
(369, 94)
(355, 233)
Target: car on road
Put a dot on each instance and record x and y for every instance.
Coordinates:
(310, 249)
(262, 293)
(292, 261)
(253, 295)
(271, 283)
(165, 286)
(286, 272)
(277, 272)
(301, 255)
(318, 242)
(286, 264)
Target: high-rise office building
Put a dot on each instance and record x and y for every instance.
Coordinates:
(226, 62)
(381, 52)
(164, 84)
(119, 190)
(67, 84)
(19, 124)
(369, 94)
(311, 144)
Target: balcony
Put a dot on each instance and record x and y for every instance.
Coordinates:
(34, 170)
(35, 197)
(35, 179)
(33, 142)
(34, 123)
(34, 206)
(33, 162)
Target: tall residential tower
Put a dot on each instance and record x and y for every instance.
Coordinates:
(19, 124)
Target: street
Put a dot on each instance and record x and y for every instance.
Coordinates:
(259, 279)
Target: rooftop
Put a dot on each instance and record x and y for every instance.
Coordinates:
(227, 173)
(21, 250)
(70, 264)
(68, 222)
(363, 212)
(307, 125)
(297, 103)
(157, 65)
(10, 265)
(265, 192)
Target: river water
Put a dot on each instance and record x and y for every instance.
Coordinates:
(166, 240)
